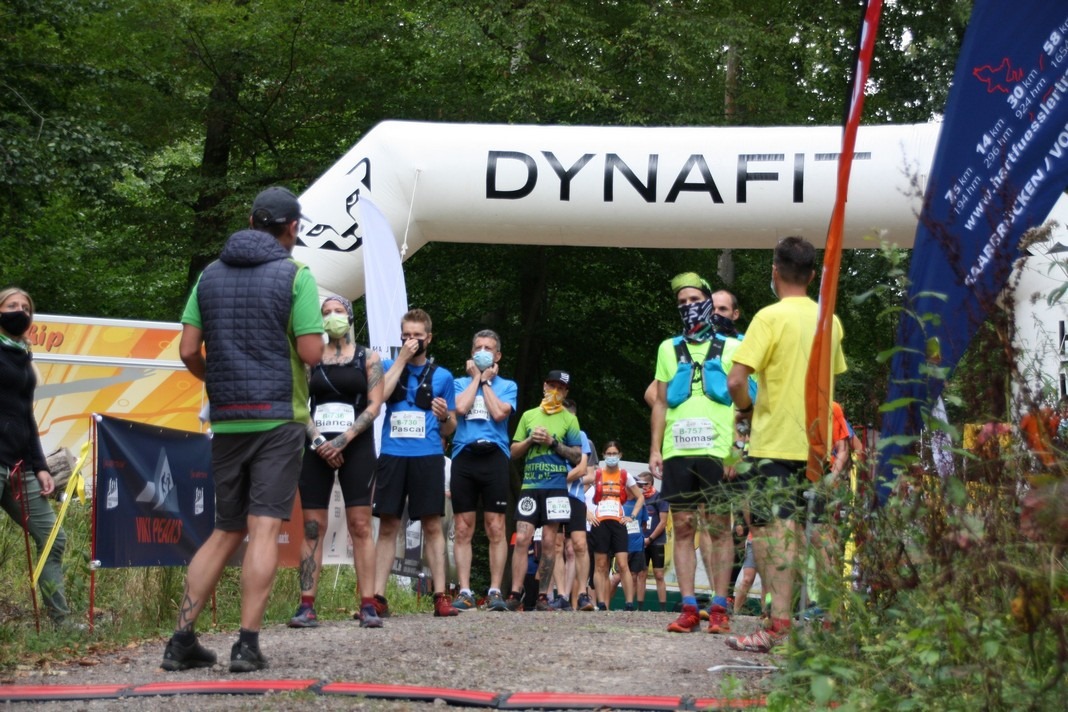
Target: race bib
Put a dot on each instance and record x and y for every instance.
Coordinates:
(478, 410)
(693, 434)
(633, 527)
(609, 509)
(558, 509)
(334, 417)
(407, 424)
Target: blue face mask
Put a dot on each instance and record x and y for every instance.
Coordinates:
(483, 359)
(612, 461)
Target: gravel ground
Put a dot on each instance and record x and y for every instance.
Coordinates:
(616, 653)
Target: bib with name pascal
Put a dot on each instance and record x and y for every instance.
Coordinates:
(407, 424)
(693, 434)
(334, 417)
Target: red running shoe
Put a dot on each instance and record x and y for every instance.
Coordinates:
(687, 622)
(718, 620)
(443, 606)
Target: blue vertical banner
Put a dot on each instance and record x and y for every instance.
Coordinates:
(1000, 165)
(155, 497)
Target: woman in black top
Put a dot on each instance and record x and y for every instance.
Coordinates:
(346, 396)
(20, 447)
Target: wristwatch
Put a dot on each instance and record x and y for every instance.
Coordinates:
(318, 442)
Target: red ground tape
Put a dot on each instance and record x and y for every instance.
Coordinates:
(728, 703)
(221, 687)
(43, 693)
(412, 692)
(564, 700)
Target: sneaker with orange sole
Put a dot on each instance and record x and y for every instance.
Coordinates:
(687, 622)
(718, 619)
(760, 642)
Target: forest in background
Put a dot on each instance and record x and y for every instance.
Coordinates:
(134, 133)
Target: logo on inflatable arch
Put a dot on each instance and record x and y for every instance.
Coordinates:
(330, 211)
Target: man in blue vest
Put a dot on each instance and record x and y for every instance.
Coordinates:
(255, 312)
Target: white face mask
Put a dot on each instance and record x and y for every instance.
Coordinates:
(612, 461)
(773, 290)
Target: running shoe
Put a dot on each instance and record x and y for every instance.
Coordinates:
(442, 607)
(584, 602)
(183, 657)
(760, 642)
(305, 617)
(495, 601)
(245, 658)
(464, 602)
(687, 622)
(718, 620)
(543, 603)
(561, 604)
(369, 617)
(381, 606)
(514, 602)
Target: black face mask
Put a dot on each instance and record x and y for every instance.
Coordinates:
(422, 347)
(15, 322)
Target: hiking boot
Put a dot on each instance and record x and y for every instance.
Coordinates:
(514, 603)
(543, 603)
(304, 618)
(464, 602)
(245, 658)
(561, 604)
(687, 622)
(718, 620)
(760, 642)
(183, 657)
(442, 607)
(381, 606)
(584, 602)
(495, 601)
(369, 617)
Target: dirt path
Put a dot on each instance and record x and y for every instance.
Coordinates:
(613, 653)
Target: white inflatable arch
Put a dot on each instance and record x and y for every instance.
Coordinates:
(633, 187)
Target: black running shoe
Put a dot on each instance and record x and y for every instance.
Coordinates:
(181, 657)
(244, 658)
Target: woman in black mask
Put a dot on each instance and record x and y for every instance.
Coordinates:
(21, 454)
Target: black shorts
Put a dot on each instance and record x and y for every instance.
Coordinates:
(254, 474)
(655, 554)
(636, 562)
(419, 481)
(609, 537)
(480, 476)
(543, 506)
(356, 475)
(777, 490)
(694, 482)
(578, 517)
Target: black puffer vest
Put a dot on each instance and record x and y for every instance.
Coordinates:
(246, 299)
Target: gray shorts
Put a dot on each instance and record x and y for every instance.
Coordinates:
(256, 474)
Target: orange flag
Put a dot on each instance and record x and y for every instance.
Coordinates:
(818, 391)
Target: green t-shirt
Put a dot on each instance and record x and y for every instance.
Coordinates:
(544, 469)
(699, 426)
(305, 318)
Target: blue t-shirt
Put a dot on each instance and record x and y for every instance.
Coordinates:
(636, 534)
(409, 431)
(576, 489)
(478, 424)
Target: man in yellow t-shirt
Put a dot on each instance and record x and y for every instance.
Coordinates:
(776, 348)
